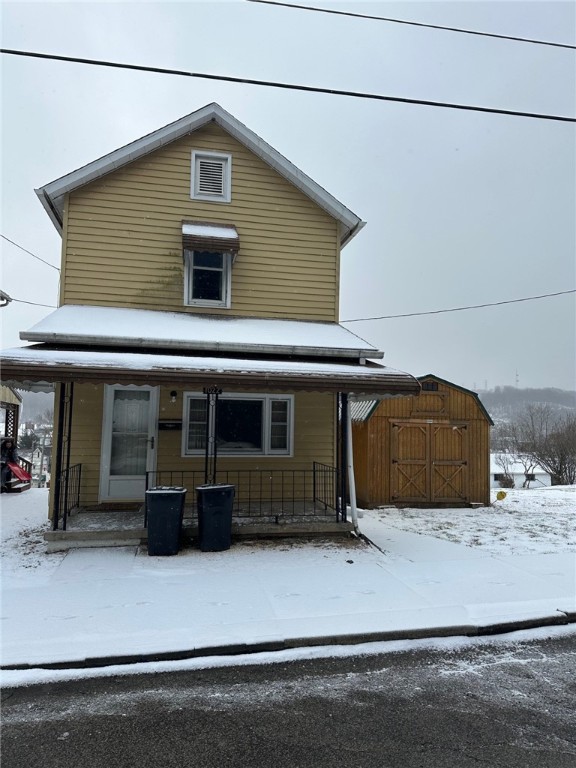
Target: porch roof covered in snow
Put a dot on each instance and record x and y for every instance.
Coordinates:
(45, 364)
(184, 331)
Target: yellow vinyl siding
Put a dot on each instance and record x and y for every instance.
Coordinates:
(123, 244)
(7, 396)
(86, 439)
(314, 438)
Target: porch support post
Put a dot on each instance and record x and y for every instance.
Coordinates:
(69, 404)
(211, 455)
(58, 457)
(343, 468)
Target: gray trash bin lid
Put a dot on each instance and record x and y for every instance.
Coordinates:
(215, 487)
(167, 489)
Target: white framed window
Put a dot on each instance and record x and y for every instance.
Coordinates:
(207, 278)
(246, 425)
(211, 176)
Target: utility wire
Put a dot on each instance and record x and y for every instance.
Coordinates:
(29, 252)
(391, 317)
(287, 86)
(460, 309)
(414, 23)
(33, 303)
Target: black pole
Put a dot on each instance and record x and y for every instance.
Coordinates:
(69, 405)
(211, 454)
(207, 438)
(59, 450)
(215, 436)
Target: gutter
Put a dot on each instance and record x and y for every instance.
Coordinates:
(50, 209)
(352, 233)
(211, 346)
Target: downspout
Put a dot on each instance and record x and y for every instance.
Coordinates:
(343, 453)
(351, 480)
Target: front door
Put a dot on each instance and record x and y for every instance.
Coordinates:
(128, 441)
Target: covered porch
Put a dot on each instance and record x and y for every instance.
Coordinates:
(291, 471)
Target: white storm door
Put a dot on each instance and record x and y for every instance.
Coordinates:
(128, 441)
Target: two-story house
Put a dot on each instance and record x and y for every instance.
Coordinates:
(197, 333)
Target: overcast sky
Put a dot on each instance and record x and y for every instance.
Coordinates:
(461, 207)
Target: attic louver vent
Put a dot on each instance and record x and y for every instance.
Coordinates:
(210, 177)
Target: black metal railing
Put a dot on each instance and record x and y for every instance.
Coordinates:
(69, 496)
(274, 496)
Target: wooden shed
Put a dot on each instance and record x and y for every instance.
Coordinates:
(431, 449)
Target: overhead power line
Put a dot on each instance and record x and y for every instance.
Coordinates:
(414, 23)
(29, 252)
(287, 86)
(408, 314)
(460, 309)
(33, 303)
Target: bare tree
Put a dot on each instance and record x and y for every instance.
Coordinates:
(505, 461)
(529, 464)
(548, 439)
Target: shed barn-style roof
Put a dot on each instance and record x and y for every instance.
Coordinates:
(362, 411)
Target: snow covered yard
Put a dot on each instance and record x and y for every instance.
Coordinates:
(527, 521)
(86, 605)
(23, 520)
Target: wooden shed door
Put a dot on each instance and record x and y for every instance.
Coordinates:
(429, 463)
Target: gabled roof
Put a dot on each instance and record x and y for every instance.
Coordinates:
(52, 195)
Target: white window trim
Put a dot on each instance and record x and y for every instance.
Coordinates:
(189, 301)
(226, 159)
(267, 399)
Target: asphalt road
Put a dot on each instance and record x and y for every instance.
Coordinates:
(509, 705)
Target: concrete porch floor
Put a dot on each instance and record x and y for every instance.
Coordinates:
(122, 528)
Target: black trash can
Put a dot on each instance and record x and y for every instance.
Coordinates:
(215, 504)
(164, 514)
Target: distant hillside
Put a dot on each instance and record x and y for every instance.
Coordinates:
(504, 403)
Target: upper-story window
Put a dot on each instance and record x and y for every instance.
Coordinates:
(207, 278)
(211, 176)
(209, 250)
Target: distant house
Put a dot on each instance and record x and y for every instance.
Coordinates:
(430, 449)
(197, 337)
(507, 472)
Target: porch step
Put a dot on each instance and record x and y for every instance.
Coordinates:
(16, 486)
(59, 541)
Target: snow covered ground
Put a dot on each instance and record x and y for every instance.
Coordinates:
(527, 521)
(431, 572)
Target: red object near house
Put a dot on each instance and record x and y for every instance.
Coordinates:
(19, 472)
